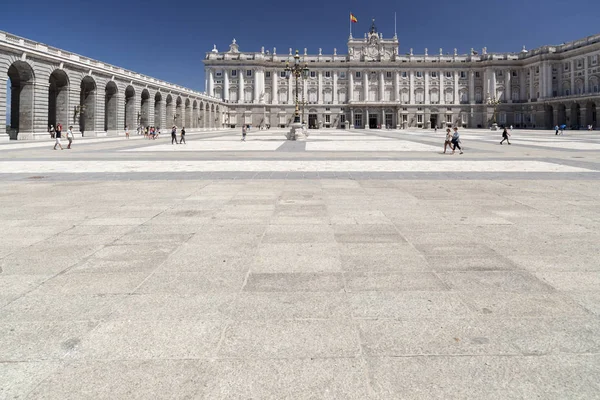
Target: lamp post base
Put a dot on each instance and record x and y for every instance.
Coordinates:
(494, 127)
(296, 132)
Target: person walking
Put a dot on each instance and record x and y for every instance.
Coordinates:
(52, 131)
(57, 136)
(126, 131)
(448, 140)
(174, 135)
(182, 138)
(244, 133)
(556, 130)
(456, 141)
(70, 136)
(505, 136)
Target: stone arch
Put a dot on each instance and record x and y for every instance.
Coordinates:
(169, 117)
(86, 110)
(58, 98)
(549, 116)
(178, 112)
(194, 114)
(130, 117)
(188, 113)
(591, 111)
(158, 110)
(145, 108)
(21, 78)
(111, 105)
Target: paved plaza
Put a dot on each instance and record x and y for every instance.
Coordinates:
(355, 265)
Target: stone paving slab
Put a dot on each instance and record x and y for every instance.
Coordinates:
(446, 277)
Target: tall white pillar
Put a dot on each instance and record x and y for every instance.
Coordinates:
(426, 77)
(226, 85)
(471, 87)
(290, 91)
(381, 87)
(396, 97)
(366, 86)
(211, 82)
(456, 94)
(256, 73)
(507, 86)
(241, 86)
(493, 83)
(350, 94)
(442, 94)
(411, 89)
(335, 87)
(274, 99)
(320, 87)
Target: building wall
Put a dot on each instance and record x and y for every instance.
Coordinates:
(50, 86)
(373, 80)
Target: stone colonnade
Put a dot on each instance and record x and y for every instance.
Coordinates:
(49, 86)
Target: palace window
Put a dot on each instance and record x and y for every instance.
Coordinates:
(342, 75)
(595, 59)
(268, 74)
(327, 74)
(477, 74)
(537, 70)
(579, 64)
(327, 118)
(499, 73)
(515, 73)
(388, 74)
(420, 119)
(463, 74)
(233, 72)
(342, 118)
(248, 72)
(566, 66)
(419, 74)
(357, 74)
(282, 74)
(433, 74)
(219, 74)
(404, 74)
(313, 74)
(448, 74)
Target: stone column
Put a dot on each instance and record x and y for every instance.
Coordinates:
(99, 112)
(290, 91)
(442, 94)
(256, 96)
(381, 86)
(471, 87)
(572, 77)
(456, 99)
(320, 87)
(121, 115)
(211, 82)
(163, 114)
(335, 87)
(3, 107)
(241, 86)
(226, 84)
(559, 81)
(493, 85)
(366, 121)
(532, 95)
(274, 99)
(151, 111)
(523, 84)
(411, 90)
(426, 77)
(39, 126)
(351, 117)
(396, 97)
(366, 86)
(507, 86)
(350, 93)
(586, 80)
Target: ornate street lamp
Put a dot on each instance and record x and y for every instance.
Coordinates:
(494, 102)
(297, 71)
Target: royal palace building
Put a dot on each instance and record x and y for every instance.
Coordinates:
(374, 86)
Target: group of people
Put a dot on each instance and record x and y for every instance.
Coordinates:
(56, 134)
(452, 140)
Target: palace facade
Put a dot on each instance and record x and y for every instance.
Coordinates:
(373, 86)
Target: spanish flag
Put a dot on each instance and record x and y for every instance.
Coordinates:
(353, 18)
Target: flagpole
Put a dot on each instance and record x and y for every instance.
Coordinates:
(350, 18)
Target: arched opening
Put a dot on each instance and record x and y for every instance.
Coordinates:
(217, 117)
(130, 117)
(549, 116)
(87, 105)
(207, 117)
(111, 102)
(562, 114)
(212, 116)
(20, 81)
(158, 109)
(170, 121)
(58, 98)
(178, 112)
(188, 113)
(575, 116)
(195, 114)
(145, 108)
(201, 116)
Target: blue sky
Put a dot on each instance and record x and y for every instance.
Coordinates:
(168, 39)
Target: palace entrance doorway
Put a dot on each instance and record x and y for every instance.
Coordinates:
(312, 121)
(372, 121)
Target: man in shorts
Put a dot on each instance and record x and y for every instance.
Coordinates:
(58, 134)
